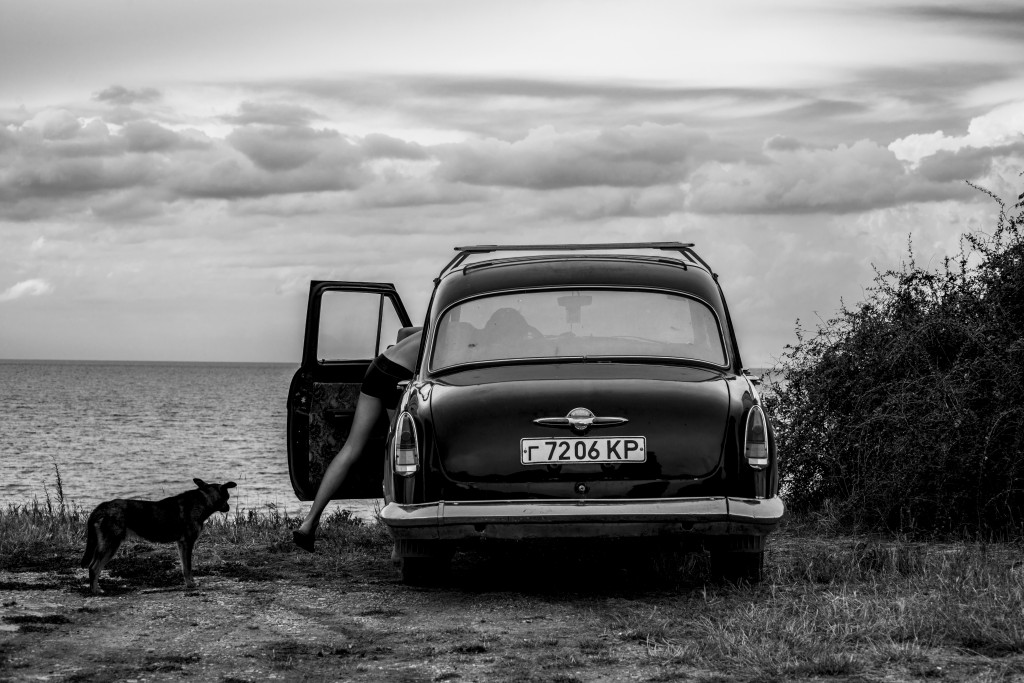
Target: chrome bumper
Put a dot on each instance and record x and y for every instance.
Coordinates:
(518, 519)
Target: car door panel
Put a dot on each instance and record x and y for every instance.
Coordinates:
(324, 391)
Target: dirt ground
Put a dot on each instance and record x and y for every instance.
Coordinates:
(554, 612)
(289, 615)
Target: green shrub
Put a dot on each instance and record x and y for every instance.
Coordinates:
(905, 411)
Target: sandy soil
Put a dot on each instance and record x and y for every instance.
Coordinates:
(558, 612)
(288, 615)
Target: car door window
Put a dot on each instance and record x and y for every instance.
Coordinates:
(347, 325)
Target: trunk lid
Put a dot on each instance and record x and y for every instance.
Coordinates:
(480, 416)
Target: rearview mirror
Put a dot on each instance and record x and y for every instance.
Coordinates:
(573, 305)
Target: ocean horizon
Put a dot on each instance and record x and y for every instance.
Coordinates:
(145, 429)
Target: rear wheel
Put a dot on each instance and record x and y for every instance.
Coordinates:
(737, 566)
(422, 563)
(423, 571)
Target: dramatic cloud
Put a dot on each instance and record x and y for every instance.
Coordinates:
(848, 178)
(966, 163)
(783, 143)
(377, 146)
(508, 108)
(928, 84)
(272, 113)
(634, 156)
(1004, 21)
(413, 192)
(876, 102)
(54, 124)
(56, 163)
(147, 136)
(59, 163)
(997, 128)
(120, 95)
(231, 178)
(34, 287)
(285, 149)
(187, 222)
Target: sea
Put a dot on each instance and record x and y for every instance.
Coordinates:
(92, 431)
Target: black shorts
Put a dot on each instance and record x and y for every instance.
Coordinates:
(381, 381)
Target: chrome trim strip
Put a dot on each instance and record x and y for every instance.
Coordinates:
(565, 422)
(761, 513)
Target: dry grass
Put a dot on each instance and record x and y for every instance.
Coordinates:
(839, 606)
(50, 535)
(832, 605)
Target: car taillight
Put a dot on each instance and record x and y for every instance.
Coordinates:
(755, 442)
(405, 448)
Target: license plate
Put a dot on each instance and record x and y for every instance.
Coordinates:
(604, 449)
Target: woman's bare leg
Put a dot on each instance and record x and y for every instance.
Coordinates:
(367, 411)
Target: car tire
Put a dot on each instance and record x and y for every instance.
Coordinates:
(421, 563)
(737, 566)
(423, 571)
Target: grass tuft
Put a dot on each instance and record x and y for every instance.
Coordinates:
(49, 535)
(839, 605)
(832, 605)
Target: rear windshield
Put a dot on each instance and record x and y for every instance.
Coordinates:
(575, 324)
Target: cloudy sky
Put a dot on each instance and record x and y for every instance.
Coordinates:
(172, 174)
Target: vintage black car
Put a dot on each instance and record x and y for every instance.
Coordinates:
(562, 391)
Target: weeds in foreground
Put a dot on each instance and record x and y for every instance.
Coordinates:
(831, 605)
(838, 606)
(37, 534)
(339, 530)
(50, 534)
(42, 536)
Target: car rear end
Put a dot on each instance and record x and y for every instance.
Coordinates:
(581, 396)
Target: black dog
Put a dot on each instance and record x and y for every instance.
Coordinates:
(178, 519)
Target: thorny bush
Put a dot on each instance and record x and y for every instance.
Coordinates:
(904, 412)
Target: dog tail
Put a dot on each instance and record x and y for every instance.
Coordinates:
(90, 543)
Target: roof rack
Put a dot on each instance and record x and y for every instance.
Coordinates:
(488, 248)
(685, 248)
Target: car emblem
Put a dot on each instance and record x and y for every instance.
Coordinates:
(580, 420)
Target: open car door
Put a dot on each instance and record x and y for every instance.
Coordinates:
(347, 325)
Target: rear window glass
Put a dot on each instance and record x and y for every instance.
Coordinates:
(577, 323)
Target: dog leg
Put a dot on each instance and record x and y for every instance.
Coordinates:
(185, 546)
(105, 549)
(90, 544)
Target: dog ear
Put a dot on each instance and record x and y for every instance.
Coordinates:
(229, 485)
(199, 482)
